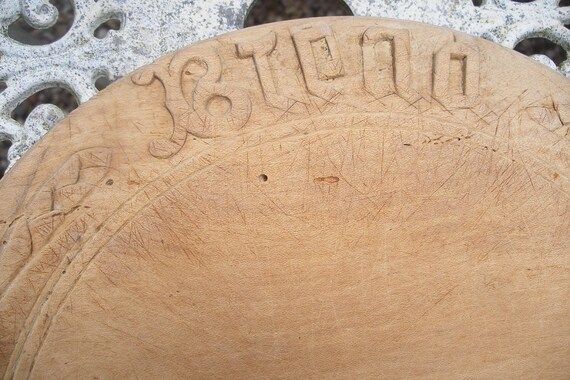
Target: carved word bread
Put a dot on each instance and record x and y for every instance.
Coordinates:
(337, 197)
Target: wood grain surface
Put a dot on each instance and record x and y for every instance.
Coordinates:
(319, 198)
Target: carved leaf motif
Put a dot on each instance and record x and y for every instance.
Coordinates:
(47, 210)
(16, 251)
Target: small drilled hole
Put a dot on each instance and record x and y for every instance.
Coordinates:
(477, 3)
(262, 177)
(265, 11)
(3, 86)
(540, 45)
(103, 29)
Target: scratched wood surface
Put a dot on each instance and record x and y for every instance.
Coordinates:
(337, 197)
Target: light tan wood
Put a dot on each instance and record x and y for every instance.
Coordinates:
(323, 198)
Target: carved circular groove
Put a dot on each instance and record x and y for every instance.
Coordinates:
(219, 105)
(347, 197)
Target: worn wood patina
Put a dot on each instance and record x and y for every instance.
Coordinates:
(337, 197)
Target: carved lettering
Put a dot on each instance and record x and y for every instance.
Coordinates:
(386, 60)
(260, 50)
(319, 57)
(216, 109)
(456, 74)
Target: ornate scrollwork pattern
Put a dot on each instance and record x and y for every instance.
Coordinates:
(77, 59)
